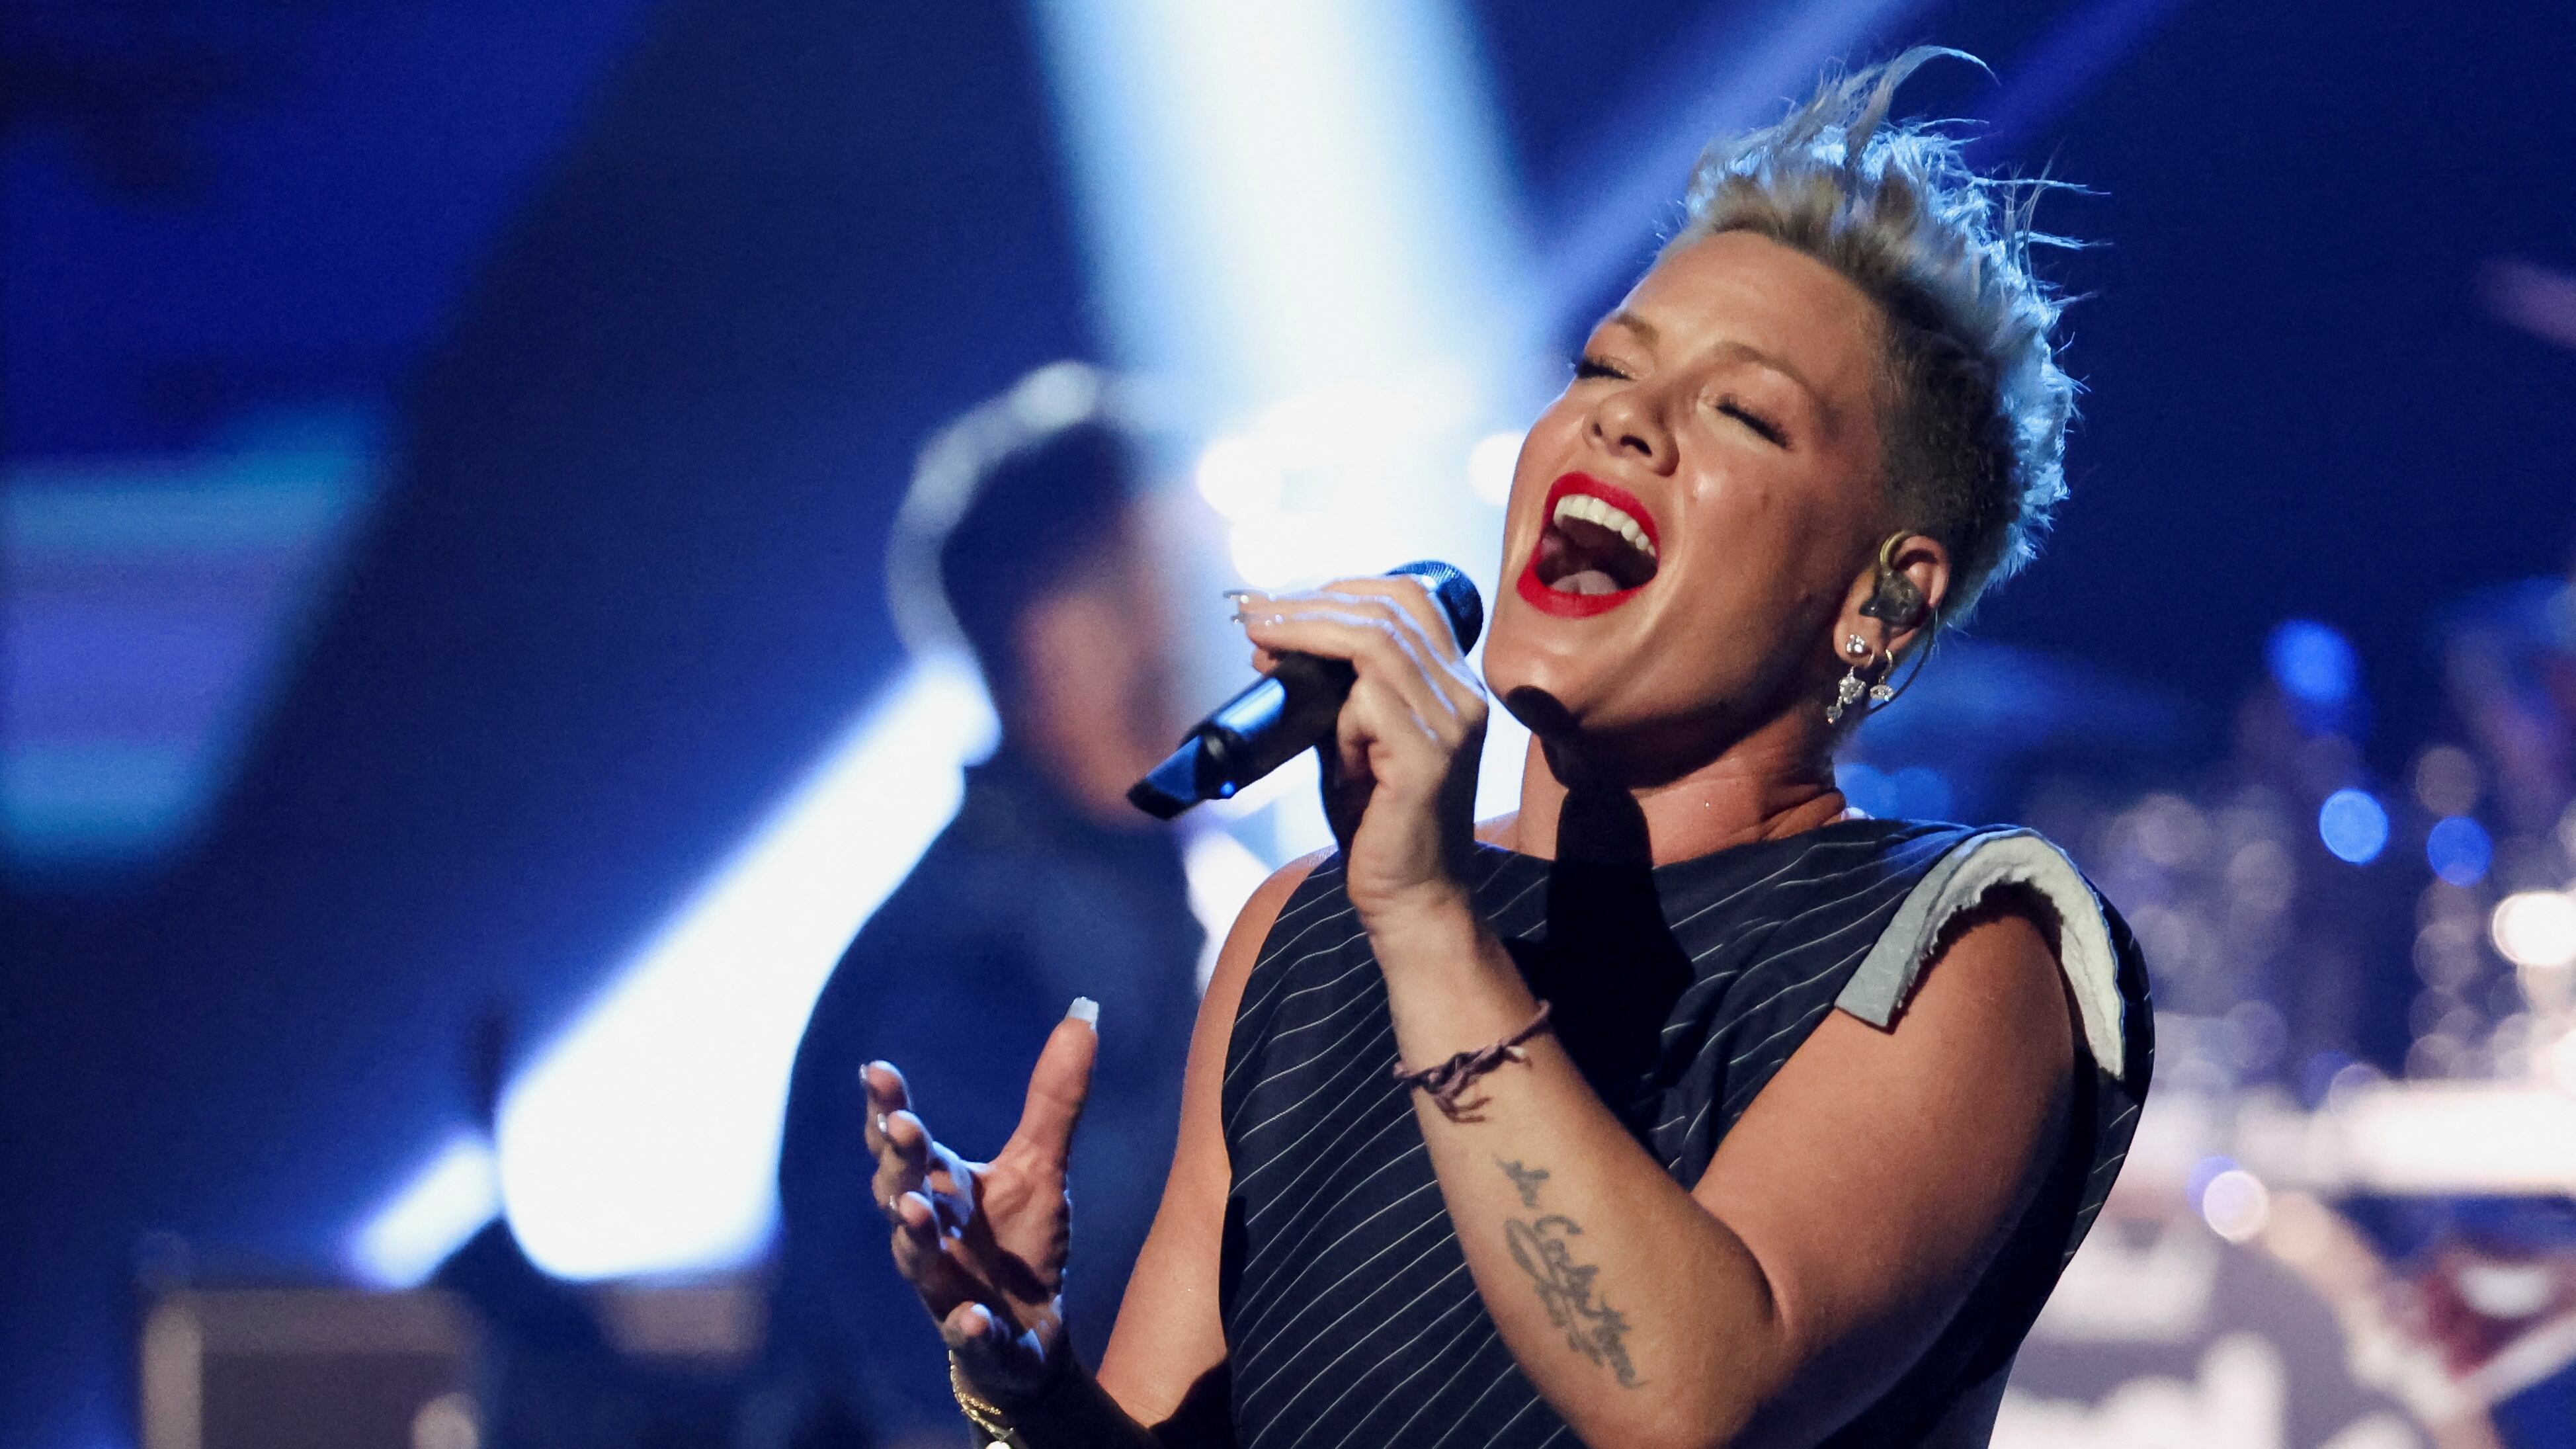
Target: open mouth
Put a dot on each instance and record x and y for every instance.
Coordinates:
(1597, 549)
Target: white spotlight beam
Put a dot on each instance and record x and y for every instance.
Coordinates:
(646, 1138)
(1303, 230)
(452, 1195)
(1290, 196)
(1735, 71)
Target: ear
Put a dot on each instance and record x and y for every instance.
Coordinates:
(1894, 601)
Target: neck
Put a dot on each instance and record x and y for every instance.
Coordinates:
(1776, 781)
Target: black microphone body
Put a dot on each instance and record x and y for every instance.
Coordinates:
(1284, 713)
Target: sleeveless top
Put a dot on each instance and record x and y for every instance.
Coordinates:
(1350, 1316)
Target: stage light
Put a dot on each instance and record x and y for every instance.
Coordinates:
(645, 1139)
(2457, 1139)
(2353, 825)
(1490, 464)
(1284, 549)
(2236, 1205)
(421, 1222)
(1303, 230)
(2446, 780)
(149, 608)
(2312, 663)
(2535, 929)
(1237, 480)
(1223, 874)
(2459, 850)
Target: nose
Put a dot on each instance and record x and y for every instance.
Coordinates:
(1628, 420)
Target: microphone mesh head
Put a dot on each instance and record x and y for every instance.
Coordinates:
(1458, 597)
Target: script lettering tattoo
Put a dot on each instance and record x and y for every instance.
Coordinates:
(1592, 1328)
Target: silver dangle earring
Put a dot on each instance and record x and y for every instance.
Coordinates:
(1849, 689)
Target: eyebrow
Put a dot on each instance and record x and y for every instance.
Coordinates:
(1645, 330)
(1634, 323)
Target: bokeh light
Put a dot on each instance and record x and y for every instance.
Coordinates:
(2353, 825)
(2446, 780)
(2236, 1205)
(1238, 480)
(2313, 663)
(2535, 928)
(2459, 850)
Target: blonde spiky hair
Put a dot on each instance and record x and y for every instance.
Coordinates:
(1976, 407)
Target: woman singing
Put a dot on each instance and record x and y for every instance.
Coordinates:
(1685, 1106)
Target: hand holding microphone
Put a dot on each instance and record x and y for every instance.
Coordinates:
(1290, 709)
(1375, 672)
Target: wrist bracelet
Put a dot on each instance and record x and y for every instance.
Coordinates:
(985, 1416)
(1448, 1080)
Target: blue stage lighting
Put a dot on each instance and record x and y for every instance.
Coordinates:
(148, 609)
(645, 1139)
(2353, 825)
(1922, 793)
(2313, 663)
(424, 1220)
(2459, 850)
(1866, 789)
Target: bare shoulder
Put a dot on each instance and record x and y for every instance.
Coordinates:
(1234, 964)
(1252, 924)
(1995, 983)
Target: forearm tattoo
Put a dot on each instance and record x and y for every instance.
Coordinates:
(1594, 1329)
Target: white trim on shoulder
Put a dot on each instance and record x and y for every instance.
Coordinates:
(1959, 880)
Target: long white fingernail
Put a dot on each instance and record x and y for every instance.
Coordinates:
(1086, 1011)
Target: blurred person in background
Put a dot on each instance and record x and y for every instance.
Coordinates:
(1024, 523)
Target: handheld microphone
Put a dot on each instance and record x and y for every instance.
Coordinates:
(1285, 712)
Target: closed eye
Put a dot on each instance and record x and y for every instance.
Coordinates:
(1769, 431)
(1591, 366)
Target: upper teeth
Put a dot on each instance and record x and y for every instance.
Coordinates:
(1608, 515)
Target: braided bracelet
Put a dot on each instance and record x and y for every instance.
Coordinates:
(1447, 1081)
(991, 1427)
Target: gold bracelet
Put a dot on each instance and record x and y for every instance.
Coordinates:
(986, 1417)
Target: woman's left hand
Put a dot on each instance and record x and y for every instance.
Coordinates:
(1400, 772)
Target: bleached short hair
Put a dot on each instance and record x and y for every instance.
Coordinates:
(1976, 407)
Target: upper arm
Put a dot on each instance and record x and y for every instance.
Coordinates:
(1168, 1334)
(1878, 1173)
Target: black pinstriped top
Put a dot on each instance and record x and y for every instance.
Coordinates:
(1349, 1312)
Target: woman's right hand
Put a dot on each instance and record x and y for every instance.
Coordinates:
(984, 1243)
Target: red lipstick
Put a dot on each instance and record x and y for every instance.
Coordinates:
(1564, 603)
